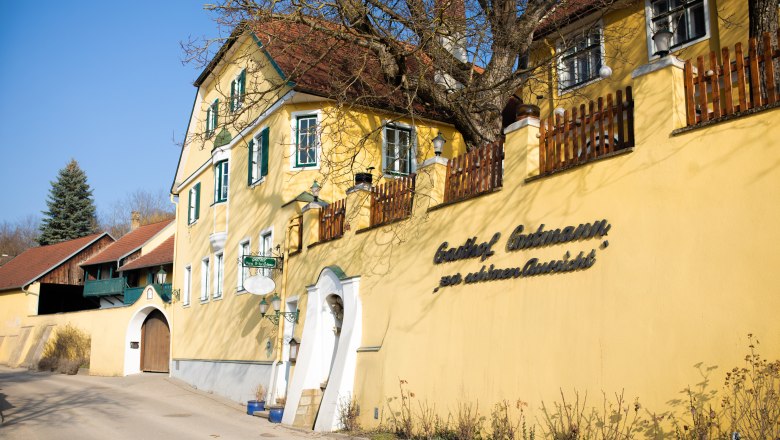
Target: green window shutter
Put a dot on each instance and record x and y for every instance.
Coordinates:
(189, 211)
(232, 95)
(242, 84)
(264, 154)
(197, 201)
(215, 114)
(250, 167)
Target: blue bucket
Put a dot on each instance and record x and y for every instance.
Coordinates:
(275, 414)
(255, 405)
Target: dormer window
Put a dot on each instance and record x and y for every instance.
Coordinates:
(211, 118)
(579, 59)
(238, 91)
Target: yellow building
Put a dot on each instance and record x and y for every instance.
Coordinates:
(117, 292)
(609, 251)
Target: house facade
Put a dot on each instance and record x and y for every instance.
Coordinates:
(609, 249)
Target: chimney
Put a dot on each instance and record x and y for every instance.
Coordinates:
(135, 220)
(453, 13)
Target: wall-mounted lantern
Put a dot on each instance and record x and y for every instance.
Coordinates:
(438, 144)
(315, 191)
(663, 41)
(294, 345)
(276, 303)
(160, 277)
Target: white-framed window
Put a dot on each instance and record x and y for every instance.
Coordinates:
(580, 57)
(244, 248)
(688, 20)
(193, 204)
(306, 143)
(205, 268)
(237, 91)
(265, 248)
(212, 115)
(258, 157)
(398, 149)
(221, 181)
(185, 299)
(219, 274)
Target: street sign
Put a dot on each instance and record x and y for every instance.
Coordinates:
(259, 262)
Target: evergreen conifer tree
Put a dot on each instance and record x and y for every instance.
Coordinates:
(71, 211)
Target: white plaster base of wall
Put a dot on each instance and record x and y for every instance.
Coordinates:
(234, 380)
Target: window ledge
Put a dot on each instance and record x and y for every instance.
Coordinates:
(217, 298)
(241, 291)
(258, 182)
(562, 92)
(204, 301)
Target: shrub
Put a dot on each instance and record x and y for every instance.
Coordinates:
(348, 412)
(66, 351)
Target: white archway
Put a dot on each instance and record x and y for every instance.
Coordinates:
(337, 365)
(133, 337)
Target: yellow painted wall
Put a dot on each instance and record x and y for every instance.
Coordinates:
(253, 208)
(625, 49)
(15, 307)
(686, 275)
(107, 328)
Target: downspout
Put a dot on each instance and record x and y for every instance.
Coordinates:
(282, 309)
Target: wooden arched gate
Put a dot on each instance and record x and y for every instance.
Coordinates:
(155, 343)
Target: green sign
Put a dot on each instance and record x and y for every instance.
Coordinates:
(260, 262)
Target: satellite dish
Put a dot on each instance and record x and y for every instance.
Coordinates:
(259, 285)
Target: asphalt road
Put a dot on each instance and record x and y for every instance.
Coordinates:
(145, 406)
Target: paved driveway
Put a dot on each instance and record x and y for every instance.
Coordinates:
(144, 406)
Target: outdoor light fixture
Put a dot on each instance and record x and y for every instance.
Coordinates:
(605, 71)
(294, 345)
(315, 191)
(160, 277)
(559, 111)
(276, 303)
(663, 41)
(438, 144)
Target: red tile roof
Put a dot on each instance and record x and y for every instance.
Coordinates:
(129, 243)
(38, 261)
(322, 65)
(570, 12)
(162, 254)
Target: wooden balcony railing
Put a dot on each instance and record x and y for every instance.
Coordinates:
(476, 172)
(332, 220)
(392, 200)
(731, 87)
(581, 136)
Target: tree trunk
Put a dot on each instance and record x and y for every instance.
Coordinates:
(763, 18)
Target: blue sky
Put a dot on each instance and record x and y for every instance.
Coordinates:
(98, 81)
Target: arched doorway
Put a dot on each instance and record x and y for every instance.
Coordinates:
(327, 357)
(155, 343)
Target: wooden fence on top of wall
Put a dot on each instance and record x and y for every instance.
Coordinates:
(577, 137)
(332, 220)
(476, 172)
(392, 200)
(731, 87)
